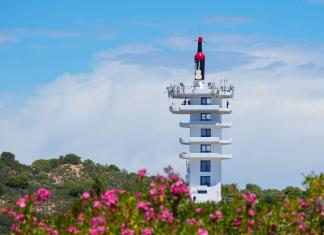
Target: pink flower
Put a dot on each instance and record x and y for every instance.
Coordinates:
(179, 187)
(202, 231)
(166, 216)
(147, 231)
(97, 221)
(86, 196)
(198, 210)
(19, 217)
(93, 231)
(127, 231)
(101, 229)
(249, 197)
(41, 196)
(238, 210)
(302, 226)
(237, 221)
(72, 229)
(251, 222)
(15, 228)
(22, 202)
(138, 194)
(212, 216)
(96, 204)
(141, 172)
(152, 191)
(303, 203)
(142, 205)
(302, 214)
(110, 198)
(251, 213)
(219, 214)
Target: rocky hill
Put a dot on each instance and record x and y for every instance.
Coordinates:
(66, 176)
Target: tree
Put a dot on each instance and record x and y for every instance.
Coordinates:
(254, 188)
(7, 157)
(71, 159)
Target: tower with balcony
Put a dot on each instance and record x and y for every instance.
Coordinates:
(205, 103)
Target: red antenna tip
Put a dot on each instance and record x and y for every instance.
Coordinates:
(200, 39)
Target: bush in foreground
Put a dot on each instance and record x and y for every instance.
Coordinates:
(163, 206)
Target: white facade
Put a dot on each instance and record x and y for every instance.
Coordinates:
(204, 102)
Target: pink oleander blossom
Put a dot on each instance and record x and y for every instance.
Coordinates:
(147, 231)
(86, 195)
(19, 217)
(141, 172)
(152, 192)
(202, 231)
(251, 213)
(22, 202)
(41, 196)
(96, 204)
(142, 205)
(110, 198)
(72, 230)
(166, 216)
(198, 210)
(237, 221)
(127, 231)
(179, 187)
(219, 214)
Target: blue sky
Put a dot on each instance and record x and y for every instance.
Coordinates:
(62, 64)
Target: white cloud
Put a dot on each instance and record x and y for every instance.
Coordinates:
(119, 114)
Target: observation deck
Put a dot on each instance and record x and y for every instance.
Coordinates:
(200, 89)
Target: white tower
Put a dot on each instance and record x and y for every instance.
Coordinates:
(204, 102)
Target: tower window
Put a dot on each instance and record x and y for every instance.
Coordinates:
(205, 101)
(205, 166)
(205, 116)
(205, 180)
(205, 132)
(205, 148)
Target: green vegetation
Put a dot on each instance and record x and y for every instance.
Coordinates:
(67, 177)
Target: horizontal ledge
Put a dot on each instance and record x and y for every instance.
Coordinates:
(187, 109)
(204, 156)
(205, 140)
(205, 124)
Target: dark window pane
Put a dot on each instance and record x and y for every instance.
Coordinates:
(205, 165)
(205, 132)
(205, 101)
(205, 180)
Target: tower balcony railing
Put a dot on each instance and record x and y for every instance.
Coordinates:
(185, 155)
(205, 124)
(187, 109)
(180, 91)
(205, 140)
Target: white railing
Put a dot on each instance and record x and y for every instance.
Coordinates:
(211, 88)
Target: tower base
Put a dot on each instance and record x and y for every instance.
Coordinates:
(203, 193)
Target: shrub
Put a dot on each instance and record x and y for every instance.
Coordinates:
(45, 165)
(163, 206)
(17, 181)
